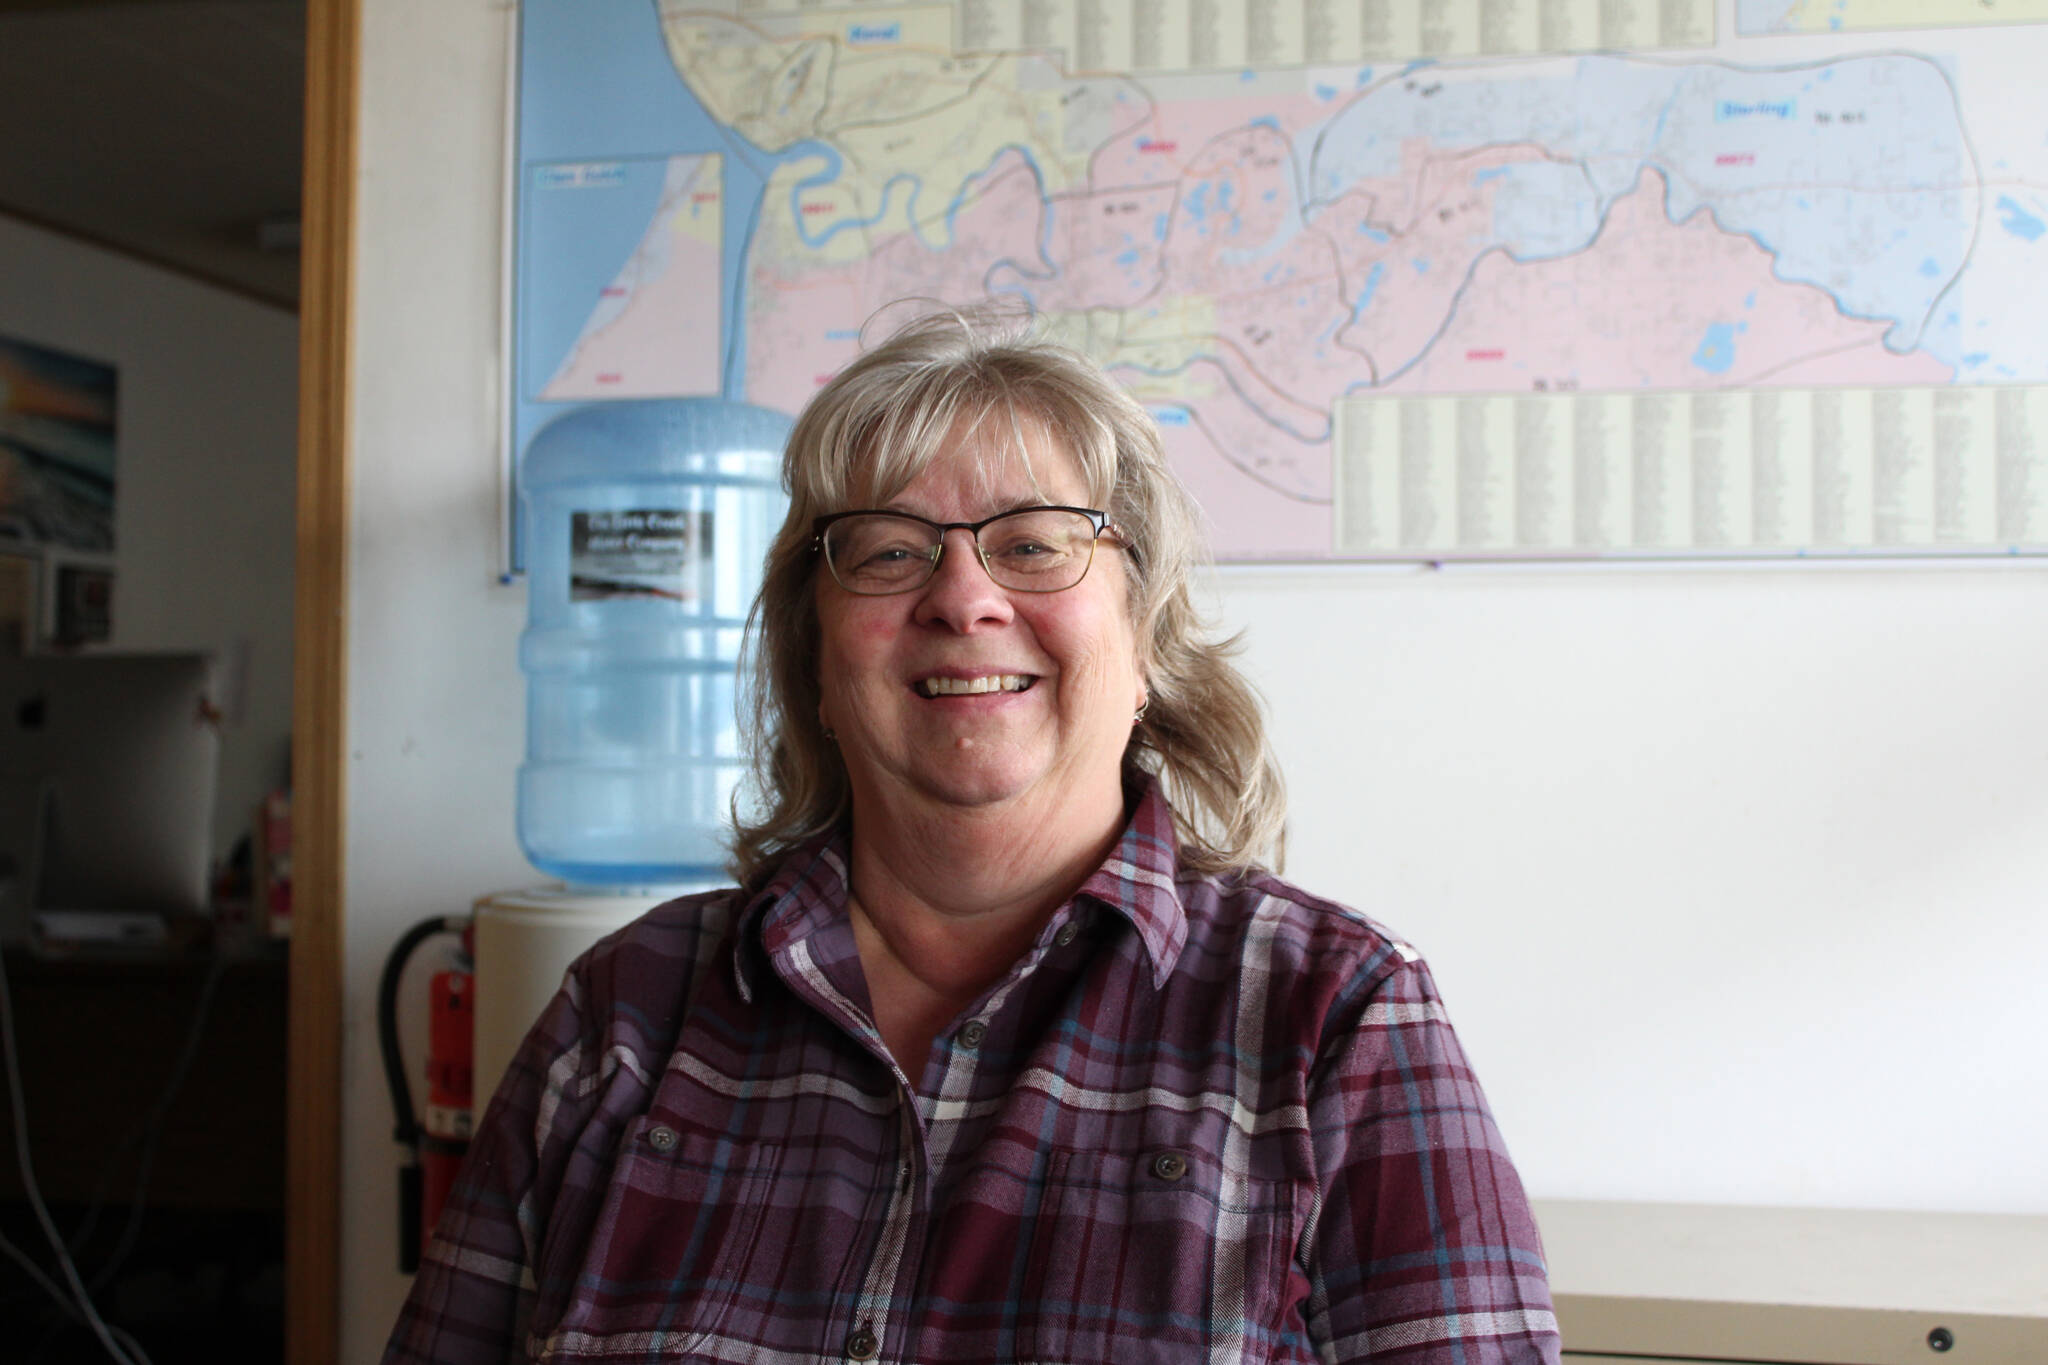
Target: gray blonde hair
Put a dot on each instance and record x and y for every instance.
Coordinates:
(864, 438)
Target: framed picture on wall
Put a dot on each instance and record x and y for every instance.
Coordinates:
(85, 605)
(20, 596)
(57, 421)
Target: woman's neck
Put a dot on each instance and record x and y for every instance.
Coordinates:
(944, 903)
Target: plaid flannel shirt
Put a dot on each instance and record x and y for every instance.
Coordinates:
(1202, 1118)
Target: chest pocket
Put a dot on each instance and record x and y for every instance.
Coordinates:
(656, 1276)
(1160, 1256)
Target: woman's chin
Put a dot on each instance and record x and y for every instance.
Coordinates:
(971, 785)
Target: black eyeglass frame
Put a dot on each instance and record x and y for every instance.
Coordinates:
(1097, 518)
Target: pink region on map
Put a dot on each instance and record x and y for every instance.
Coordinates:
(1632, 311)
(1260, 521)
(1108, 249)
(655, 332)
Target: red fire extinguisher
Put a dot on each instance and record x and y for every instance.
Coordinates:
(436, 1146)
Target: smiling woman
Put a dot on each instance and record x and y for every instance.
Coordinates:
(1005, 1047)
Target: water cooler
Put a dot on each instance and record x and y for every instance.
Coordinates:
(645, 526)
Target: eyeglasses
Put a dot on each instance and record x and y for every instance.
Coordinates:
(1032, 549)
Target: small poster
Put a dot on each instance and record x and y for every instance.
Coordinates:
(85, 605)
(20, 586)
(56, 447)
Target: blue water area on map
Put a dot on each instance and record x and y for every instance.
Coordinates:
(1372, 286)
(2018, 221)
(1716, 352)
(842, 222)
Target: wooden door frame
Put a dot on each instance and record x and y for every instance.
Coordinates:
(319, 692)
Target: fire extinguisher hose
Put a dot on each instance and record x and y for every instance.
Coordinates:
(407, 1129)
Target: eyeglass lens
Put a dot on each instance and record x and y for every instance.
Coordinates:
(1036, 549)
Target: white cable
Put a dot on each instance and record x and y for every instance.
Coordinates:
(29, 1187)
(57, 1292)
(152, 1133)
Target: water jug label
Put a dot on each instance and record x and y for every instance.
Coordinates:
(642, 552)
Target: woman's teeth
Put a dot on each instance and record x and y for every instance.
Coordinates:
(964, 687)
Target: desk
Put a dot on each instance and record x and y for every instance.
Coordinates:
(99, 1034)
(1660, 1282)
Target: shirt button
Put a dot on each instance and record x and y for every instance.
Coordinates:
(972, 1032)
(1067, 934)
(862, 1345)
(1169, 1165)
(661, 1138)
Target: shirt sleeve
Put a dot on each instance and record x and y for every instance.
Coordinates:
(1424, 1251)
(474, 1294)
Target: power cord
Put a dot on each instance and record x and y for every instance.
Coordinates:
(80, 1302)
(62, 1296)
(152, 1136)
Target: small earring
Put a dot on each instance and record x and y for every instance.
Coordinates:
(1139, 718)
(831, 733)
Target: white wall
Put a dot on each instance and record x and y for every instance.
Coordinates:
(206, 452)
(1732, 880)
(435, 719)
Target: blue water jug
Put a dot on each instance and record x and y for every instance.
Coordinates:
(645, 525)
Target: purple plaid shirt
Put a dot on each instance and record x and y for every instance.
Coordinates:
(1202, 1119)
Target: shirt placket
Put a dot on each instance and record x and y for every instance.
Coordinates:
(934, 1133)
(902, 1229)
(901, 1220)
(926, 1127)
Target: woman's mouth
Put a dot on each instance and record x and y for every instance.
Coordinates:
(967, 687)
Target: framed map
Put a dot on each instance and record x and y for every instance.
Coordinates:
(1567, 279)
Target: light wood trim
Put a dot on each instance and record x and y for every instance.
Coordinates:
(320, 660)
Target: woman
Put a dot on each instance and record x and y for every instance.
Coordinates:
(1006, 1049)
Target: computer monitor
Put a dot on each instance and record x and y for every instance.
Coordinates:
(111, 760)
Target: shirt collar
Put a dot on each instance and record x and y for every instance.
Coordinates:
(1136, 880)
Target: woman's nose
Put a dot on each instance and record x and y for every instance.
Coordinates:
(960, 594)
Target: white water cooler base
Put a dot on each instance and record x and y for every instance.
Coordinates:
(524, 942)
